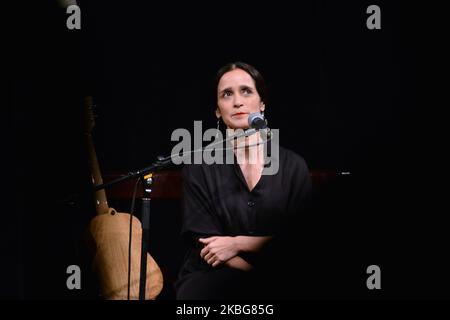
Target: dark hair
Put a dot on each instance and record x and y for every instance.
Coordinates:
(252, 71)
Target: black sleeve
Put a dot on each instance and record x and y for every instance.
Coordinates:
(198, 214)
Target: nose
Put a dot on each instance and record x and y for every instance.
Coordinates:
(237, 102)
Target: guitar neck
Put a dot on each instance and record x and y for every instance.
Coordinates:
(101, 202)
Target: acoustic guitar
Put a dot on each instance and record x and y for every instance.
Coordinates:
(109, 237)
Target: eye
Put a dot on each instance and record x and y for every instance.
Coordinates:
(226, 93)
(247, 91)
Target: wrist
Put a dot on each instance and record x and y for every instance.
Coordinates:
(238, 243)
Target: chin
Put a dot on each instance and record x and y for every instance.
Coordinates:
(238, 125)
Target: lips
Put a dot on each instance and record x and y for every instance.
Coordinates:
(239, 114)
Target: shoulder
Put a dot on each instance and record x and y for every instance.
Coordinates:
(292, 160)
(296, 174)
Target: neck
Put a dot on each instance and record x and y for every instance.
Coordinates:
(249, 150)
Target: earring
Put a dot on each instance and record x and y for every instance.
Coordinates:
(263, 107)
(264, 117)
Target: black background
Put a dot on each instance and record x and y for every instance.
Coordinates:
(343, 96)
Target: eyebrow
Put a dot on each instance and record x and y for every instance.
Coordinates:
(244, 86)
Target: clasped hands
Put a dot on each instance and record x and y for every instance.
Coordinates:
(218, 249)
(225, 250)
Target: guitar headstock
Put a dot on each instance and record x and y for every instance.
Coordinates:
(89, 121)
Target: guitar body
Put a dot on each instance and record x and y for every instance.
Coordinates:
(110, 235)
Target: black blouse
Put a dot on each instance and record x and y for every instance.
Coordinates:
(217, 201)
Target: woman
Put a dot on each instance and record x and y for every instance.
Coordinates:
(237, 219)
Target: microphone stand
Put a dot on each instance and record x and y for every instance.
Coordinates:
(163, 162)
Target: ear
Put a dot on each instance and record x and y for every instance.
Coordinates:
(262, 106)
(218, 115)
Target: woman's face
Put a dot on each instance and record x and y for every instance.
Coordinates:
(237, 97)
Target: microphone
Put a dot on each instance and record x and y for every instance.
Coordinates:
(256, 121)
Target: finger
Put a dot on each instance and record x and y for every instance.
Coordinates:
(208, 256)
(207, 240)
(211, 260)
(216, 263)
(205, 251)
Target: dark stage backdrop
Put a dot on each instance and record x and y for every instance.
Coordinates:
(343, 97)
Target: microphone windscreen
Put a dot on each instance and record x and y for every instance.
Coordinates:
(256, 121)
